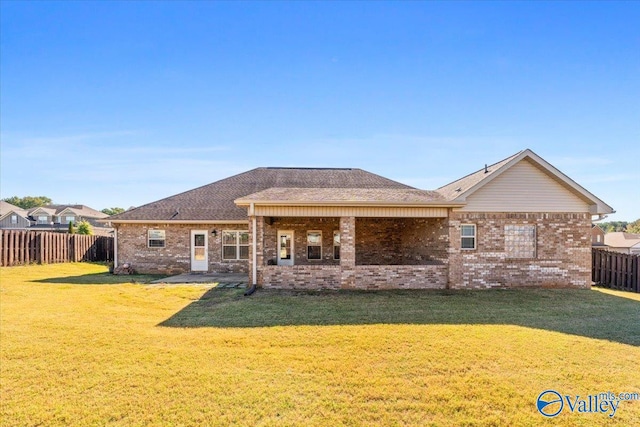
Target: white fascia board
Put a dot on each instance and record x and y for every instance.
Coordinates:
(165, 221)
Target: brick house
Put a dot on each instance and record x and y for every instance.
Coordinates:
(517, 223)
(597, 237)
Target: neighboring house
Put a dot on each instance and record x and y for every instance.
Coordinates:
(626, 243)
(13, 217)
(51, 218)
(597, 237)
(58, 217)
(517, 223)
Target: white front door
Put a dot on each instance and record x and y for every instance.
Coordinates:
(199, 250)
(285, 247)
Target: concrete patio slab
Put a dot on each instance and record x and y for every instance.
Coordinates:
(222, 279)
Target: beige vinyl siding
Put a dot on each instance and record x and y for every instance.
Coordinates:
(362, 211)
(524, 188)
(6, 222)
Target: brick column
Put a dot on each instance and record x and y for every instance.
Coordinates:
(348, 251)
(454, 255)
(259, 248)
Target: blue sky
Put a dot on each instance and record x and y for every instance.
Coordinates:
(122, 103)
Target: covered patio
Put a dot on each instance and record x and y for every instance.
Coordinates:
(357, 239)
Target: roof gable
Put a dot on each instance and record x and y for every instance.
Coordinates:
(461, 189)
(42, 210)
(7, 208)
(68, 211)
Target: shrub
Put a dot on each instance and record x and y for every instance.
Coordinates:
(84, 228)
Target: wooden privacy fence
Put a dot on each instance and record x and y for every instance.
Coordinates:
(25, 247)
(615, 270)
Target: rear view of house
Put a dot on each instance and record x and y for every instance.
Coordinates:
(519, 222)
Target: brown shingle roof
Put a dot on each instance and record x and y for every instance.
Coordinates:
(402, 196)
(82, 210)
(6, 207)
(621, 239)
(215, 202)
(454, 189)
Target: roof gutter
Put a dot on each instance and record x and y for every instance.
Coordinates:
(247, 203)
(167, 221)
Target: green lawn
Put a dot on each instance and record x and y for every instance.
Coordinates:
(121, 353)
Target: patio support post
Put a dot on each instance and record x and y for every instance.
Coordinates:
(115, 247)
(254, 258)
(348, 251)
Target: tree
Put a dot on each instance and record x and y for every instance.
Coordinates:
(634, 227)
(610, 227)
(112, 211)
(28, 202)
(84, 228)
(72, 228)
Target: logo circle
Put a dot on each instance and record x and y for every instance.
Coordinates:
(549, 403)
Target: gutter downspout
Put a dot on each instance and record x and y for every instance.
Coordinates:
(254, 267)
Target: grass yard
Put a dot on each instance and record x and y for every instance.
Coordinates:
(81, 347)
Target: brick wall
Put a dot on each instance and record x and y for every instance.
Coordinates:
(424, 240)
(369, 277)
(401, 241)
(300, 276)
(563, 251)
(373, 277)
(379, 241)
(175, 257)
(563, 242)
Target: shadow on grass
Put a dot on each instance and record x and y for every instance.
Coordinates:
(586, 313)
(102, 279)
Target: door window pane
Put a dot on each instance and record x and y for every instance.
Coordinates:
(285, 247)
(198, 254)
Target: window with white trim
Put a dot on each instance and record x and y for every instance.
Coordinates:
(69, 219)
(468, 236)
(520, 241)
(156, 238)
(314, 245)
(43, 219)
(14, 219)
(336, 245)
(235, 245)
